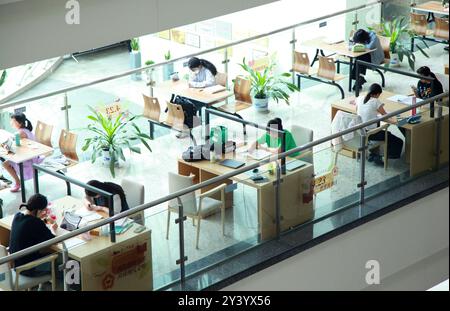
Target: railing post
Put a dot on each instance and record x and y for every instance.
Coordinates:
(293, 42)
(283, 150)
(277, 200)
(355, 21)
(225, 65)
(362, 153)
(112, 227)
(438, 137)
(65, 259)
(66, 108)
(36, 180)
(151, 82)
(356, 78)
(183, 258)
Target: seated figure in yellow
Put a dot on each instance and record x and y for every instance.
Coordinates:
(271, 140)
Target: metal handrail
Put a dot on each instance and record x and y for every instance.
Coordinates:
(222, 47)
(210, 182)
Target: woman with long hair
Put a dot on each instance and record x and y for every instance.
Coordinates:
(203, 73)
(97, 202)
(24, 127)
(425, 88)
(368, 107)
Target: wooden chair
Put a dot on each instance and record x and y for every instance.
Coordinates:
(419, 25)
(442, 28)
(327, 71)
(221, 79)
(197, 208)
(386, 44)
(243, 99)
(302, 64)
(68, 146)
(12, 279)
(43, 133)
(175, 117)
(152, 109)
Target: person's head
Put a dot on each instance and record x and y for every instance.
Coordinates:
(195, 64)
(275, 124)
(36, 204)
(94, 183)
(426, 72)
(375, 91)
(20, 121)
(361, 36)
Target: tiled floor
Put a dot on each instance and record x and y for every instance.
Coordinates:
(310, 108)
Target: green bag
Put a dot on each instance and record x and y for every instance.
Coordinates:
(359, 48)
(219, 134)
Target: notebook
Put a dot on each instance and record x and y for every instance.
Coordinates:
(296, 164)
(259, 154)
(214, 89)
(232, 163)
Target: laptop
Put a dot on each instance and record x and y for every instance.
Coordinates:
(232, 163)
(296, 164)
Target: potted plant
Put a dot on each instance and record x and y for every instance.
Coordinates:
(2, 79)
(149, 72)
(111, 136)
(400, 35)
(135, 58)
(168, 68)
(266, 86)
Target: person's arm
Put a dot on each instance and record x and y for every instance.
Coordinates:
(22, 134)
(381, 109)
(88, 202)
(210, 78)
(373, 42)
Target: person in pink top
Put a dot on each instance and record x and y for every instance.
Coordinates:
(20, 122)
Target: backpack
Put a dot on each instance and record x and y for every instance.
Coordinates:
(189, 109)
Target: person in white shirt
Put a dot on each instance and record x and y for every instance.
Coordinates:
(203, 73)
(97, 202)
(368, 107)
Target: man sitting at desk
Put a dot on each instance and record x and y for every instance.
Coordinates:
(271, 140)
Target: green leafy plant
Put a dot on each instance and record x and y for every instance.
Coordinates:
(135, 44)
(3, 77)
(265, 85)
(113, 135)
(167, 56)
(149, 62)
(398, 29)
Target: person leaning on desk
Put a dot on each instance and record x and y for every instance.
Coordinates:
(97, 202)
(271, 140)
(427, 89)
(29, 229)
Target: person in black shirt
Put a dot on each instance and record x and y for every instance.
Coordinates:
(96, 202)
(28, 229)
(426, 89)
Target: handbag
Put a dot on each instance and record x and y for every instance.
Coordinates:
(70, 222)
(197, 153)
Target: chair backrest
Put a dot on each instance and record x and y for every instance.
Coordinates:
(301, 62)
(419, 24)
(221, 78)
(134, 192)
(177, 183)
(242, 89)
(152, 109)
(175, 116)
(386, 45)
(68, 145)
(442, 28)
(43, 133)
(6, 281)
(327, 68)
(303, 135)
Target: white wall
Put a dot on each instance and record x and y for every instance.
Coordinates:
(35, 30)
(411, 245)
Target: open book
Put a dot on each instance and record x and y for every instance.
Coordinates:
(214, 89)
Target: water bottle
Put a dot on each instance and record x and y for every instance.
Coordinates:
(413, 102)
(17, 139)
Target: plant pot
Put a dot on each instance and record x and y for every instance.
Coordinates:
(395, 61)
(135, 62)
(167, 71)
(261, 104)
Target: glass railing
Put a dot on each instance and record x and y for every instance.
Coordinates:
(260, 204)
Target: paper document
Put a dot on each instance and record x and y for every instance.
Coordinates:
(73, 242)
(259, 154)
(214, 89)
(407, 100)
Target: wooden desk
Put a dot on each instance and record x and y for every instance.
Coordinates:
(182, 88)
(432, 7)
(27, 150)
(296, 206)
(340, 48)
(420, 138)
(99, 258)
